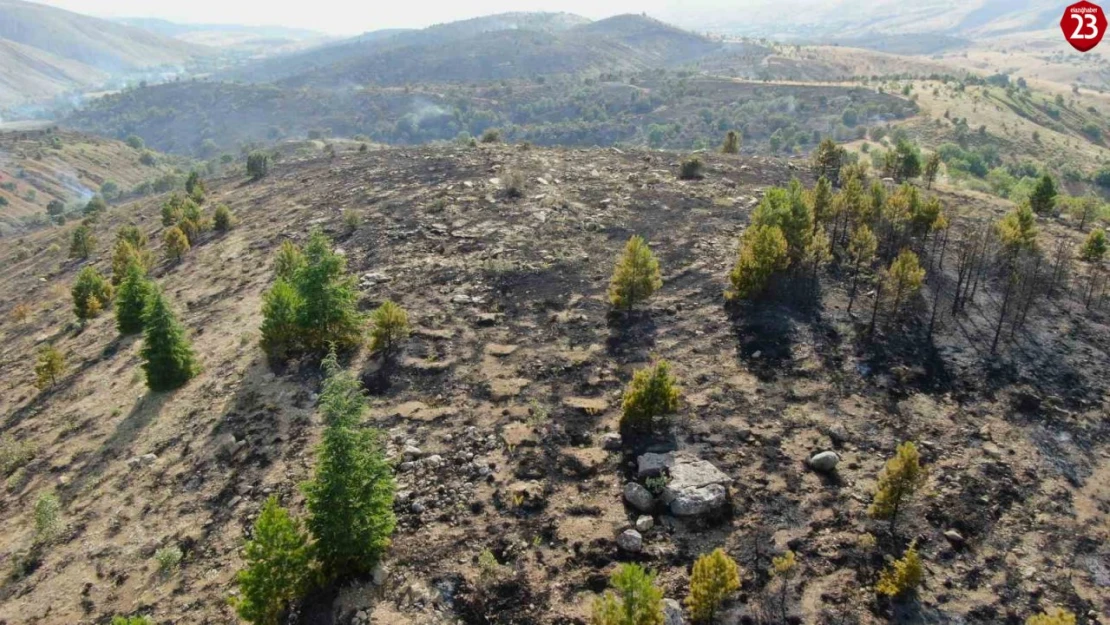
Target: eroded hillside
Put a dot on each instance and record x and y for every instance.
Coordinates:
(497, 416)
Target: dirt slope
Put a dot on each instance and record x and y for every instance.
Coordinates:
(513, 375)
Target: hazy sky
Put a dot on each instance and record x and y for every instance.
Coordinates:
(354, 16)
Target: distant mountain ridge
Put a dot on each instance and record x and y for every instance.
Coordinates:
(45, 51)
(509, 45)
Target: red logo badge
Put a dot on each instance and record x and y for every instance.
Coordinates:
(1083, 24)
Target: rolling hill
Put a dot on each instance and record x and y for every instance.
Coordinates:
(45, 164)
(511, 45)
(45, 51)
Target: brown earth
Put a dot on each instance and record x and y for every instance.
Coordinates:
(515, 365)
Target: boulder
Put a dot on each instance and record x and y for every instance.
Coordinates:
(644, 523)
(696, 488)
(653, 465)
(639, 497)
(824, 462)
(630, 541)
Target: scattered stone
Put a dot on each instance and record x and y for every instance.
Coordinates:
(611, 441)
(652, 464)
(639, 497)
(824, 462)
(630, 541)
(838, 434)
(411, 452)
(644, 523)
(672, 612)
(378, 574)
(956, 539)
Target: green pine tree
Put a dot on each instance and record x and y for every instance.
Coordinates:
(636, 276)
(82, 243)
(280, 333)
(1043, 198)
(167, 356)
(278, 566)
(91, 293)
(328, 315)
(653, 393)
(633, 600)
(131, 299)
(350, 499)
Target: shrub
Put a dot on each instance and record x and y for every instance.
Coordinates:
(222, 219)
(514, 184)
(49, 364)
(176, 244)
(14, 454)
(21, 313)
(132, 620)
(350, 498)
(258, 165)
(173, 209)
(900, 479)
(1094, 248)
(715, 576)
(168, 559)
(390, 328)
(633, 600)
(653, 393)
(95, 206)
(278, 566)
(732, 143)
(288, 260)
(783, 569)
(56, 209)
(194, 185)
(135, 142)
(280, 333)
(763, 252)
(902, 576)
(166, 354)
(351, 221)
(131, 300)
(48, 522)
(91, 293)
(636, 276)
(691, 169)
(82, 243)
(1054, 616)
(133, 235)
(491, 135)
(148, 158)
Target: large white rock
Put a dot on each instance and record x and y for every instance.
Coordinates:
(696, 487)
(825, 462)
